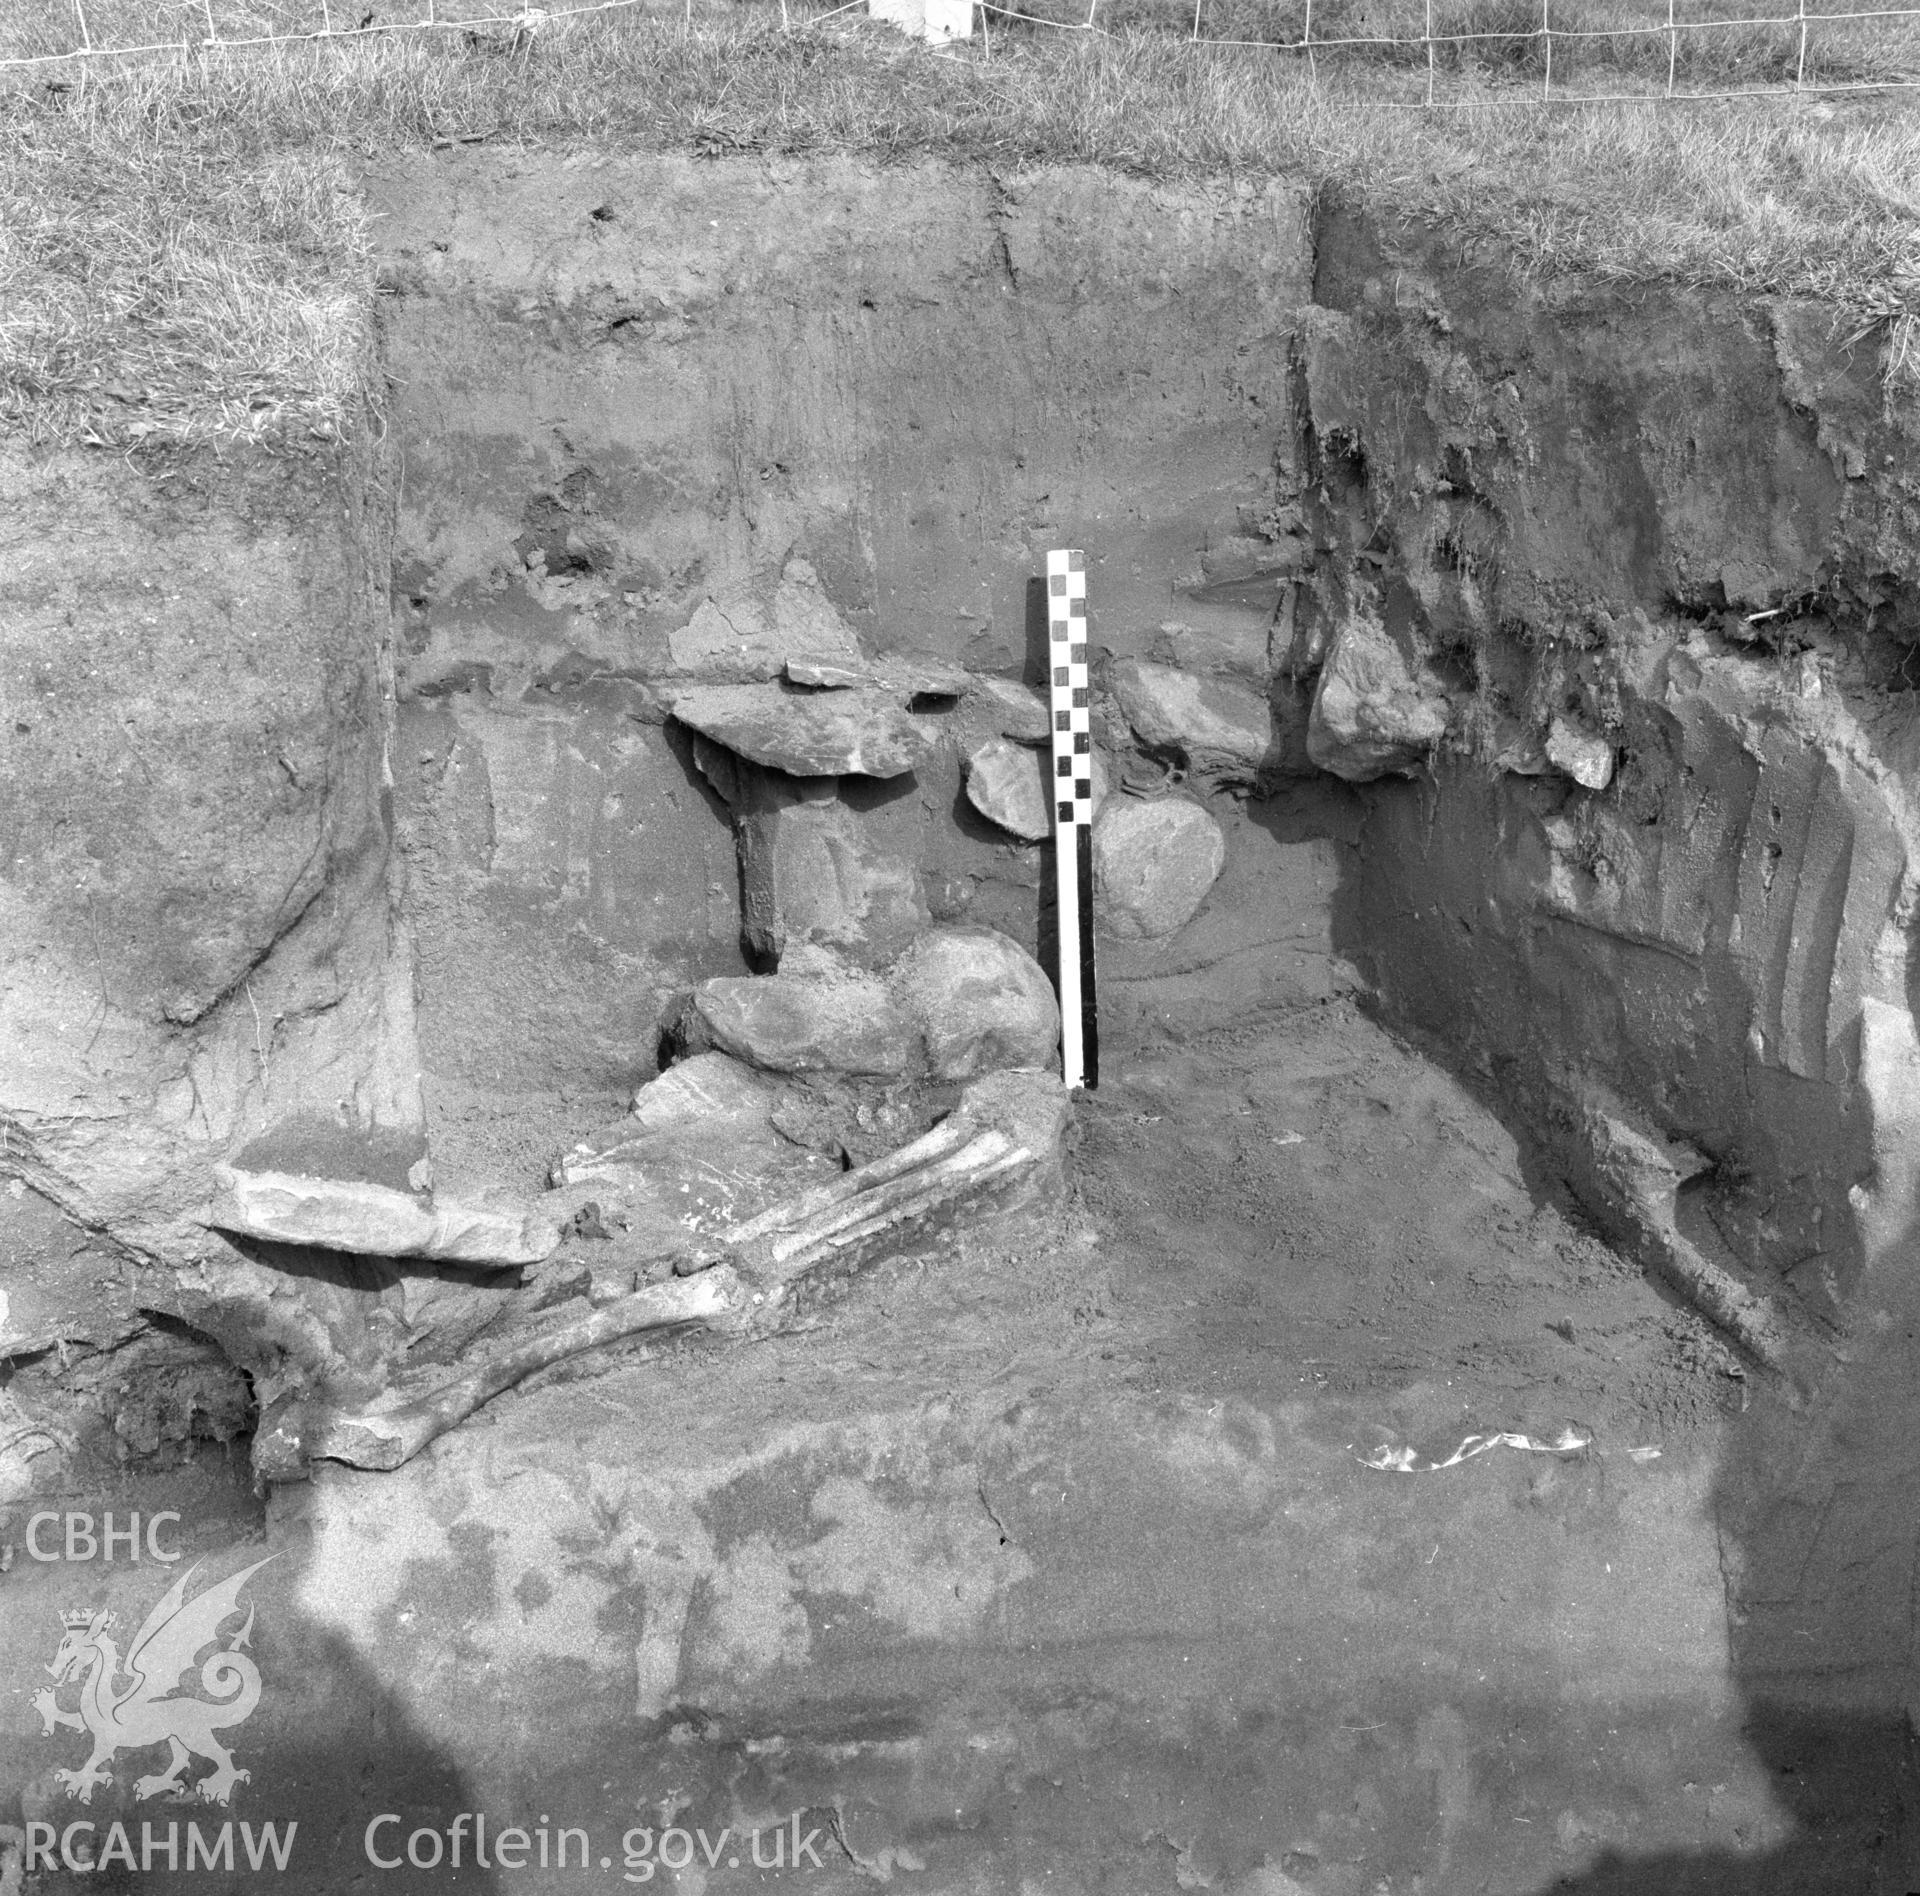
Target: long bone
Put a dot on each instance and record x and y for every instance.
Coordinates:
(382, 1439)
(956, 1170)
(912, 1206)
(774, 1249)
(946, 1137)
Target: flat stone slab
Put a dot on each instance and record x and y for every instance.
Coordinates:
(858, 732)
(373, 1220)
(825, 673)
(919, 674)
(1012, 785)
(903, 674)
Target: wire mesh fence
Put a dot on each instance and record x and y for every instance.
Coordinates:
(1430, 53)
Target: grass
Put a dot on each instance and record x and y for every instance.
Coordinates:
(183, 255)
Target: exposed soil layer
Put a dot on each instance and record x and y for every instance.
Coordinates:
(1314, 1197)
(1532, 662)
(1055, 1562)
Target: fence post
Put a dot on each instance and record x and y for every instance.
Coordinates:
(1196, 19)
(1306, 40)
(1800, 77)
(1429, 39)
(1546, 40)
(1673, 47)
(86, 38)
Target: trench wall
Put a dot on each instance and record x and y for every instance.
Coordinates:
(303, 868)
(1689, 537)
(633, 393)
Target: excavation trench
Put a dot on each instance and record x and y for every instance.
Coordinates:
(462, 878)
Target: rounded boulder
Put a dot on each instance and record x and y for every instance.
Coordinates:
(1153, 864)
(799, 1023)
(979, 1000)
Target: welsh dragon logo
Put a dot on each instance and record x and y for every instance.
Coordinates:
(130, 1704)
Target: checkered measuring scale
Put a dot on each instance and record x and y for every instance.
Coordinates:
(1073, 815)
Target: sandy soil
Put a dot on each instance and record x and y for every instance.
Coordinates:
(1309, 1202)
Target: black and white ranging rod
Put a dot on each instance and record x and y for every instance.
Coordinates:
(1073, 815)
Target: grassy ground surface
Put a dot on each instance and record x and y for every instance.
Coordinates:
(183, 254)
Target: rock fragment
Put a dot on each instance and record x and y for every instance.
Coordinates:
(918, 674)
(373, 1220)
(1018, 711)
(1243, 649)
(699, 1152)
(742, 637)
(856, 732)
(978, 1001)
(1013, 786)
(812, 1023)
(825, 673)
(1033, 1109)
(1588, 760)
(1372, 715)
(1153, 865)
(710, 1086)
(1225, 731)
(811, 871)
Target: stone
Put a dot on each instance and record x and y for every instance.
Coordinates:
(903, 675)
(856, 732)
(1012, 785)
(1253, 573)
(1242, 648)
(709, 1086)
(1588, 760)
(1373, 715)
(1153, 865)
(814, 1023)
(811, 872)
(1513, 747)
(373, 1220)
(860, 1120)
(1018, 711)
(743, 638)
(919, 674)
(1224, 731)
(979, 1001)
(1034, 1109)
(825, 674)
(699, 1152)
